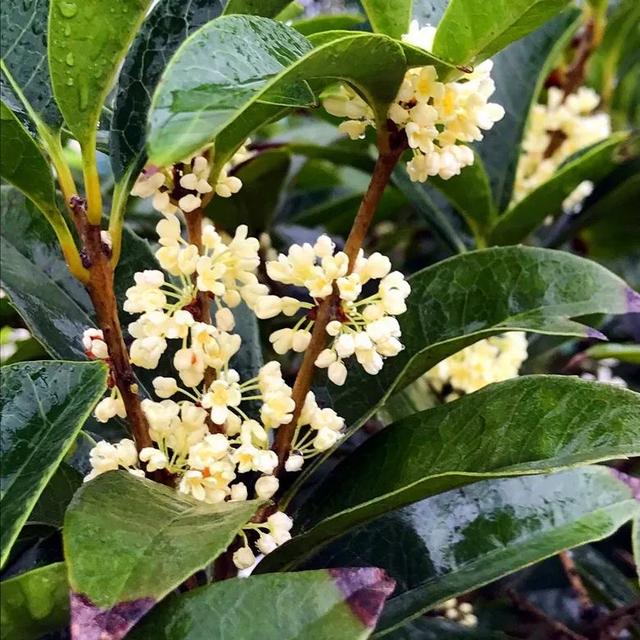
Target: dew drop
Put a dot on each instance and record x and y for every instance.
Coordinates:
(69, 59)
(70, 82)
(68, 9)
(67, 30)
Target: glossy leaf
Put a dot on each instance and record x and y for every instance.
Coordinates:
(390, 18)
(23, 49)
(320, 23)
(266, 8)
(310, 605)
(468, 33)
(524, 426)
(468, 297)
(22, 163)
(196, 100)
(87, 42)
(34, 603)
(185, 116)
(458, 541)
(528, 214)
(519, 73)
(125, 555)
(167, 26)
(53, 304)
(44, 405)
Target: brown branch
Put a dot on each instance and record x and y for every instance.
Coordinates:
(96, 257)
(575, 581)
(391, 147)
(525, 606)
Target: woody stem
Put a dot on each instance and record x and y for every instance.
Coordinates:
(97, 259)
(390, 149)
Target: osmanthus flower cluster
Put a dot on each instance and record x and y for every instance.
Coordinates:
(490, 360)
(575, 123)
(363, 325)
(438, 118)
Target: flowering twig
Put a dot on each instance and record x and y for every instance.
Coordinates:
(390, 147)
(96, 256)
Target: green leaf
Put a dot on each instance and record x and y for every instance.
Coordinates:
(266, 8)
(310, 605)
(23, 164)
(44, 405)
(390, 18)
(519, 73)
(87, 42)
(471, 194)
(460, 540)
(624, 352)
(468, 33)
(34, 603)
(440, 629)
(432, 215)
(167, 26)
(124, 555)
(468, 297)
(248, 360)
(332, 22)
(190, 109)
(52, 303)
(528, 425)
(23, 49)
(194, 100)
(635, 535)
(525, 217)
(52, 503)
(255, 204)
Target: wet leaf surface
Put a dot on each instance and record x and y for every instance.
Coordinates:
(44, 405)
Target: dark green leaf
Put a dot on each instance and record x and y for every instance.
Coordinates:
(44, 405)
(126, 554)
(623, 352)
(525, 217)
(255, 204)
(87, 42)
(390, 18)
(439, 629)
(469, 33)
(528, 425)
(23, 164)
(435, 219)
(468, 297)
(167, 26)
(24, 51)
(52, 503)
(519, 73)
(248, 360)
(53, 304)
(471, 194)
(320, 23)
(34, 603)
(460, 540)
(310, 605)
(196, 100)
(266, 8)
(190, 109)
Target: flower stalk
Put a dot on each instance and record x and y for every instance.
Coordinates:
(390, 145)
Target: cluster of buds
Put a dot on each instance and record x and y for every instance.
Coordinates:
(364, 327)
(490, 360)
(435, 116)
(460, 612)
(556, 130)
(183, 185)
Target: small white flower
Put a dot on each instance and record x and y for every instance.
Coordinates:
(266, 486)
(243, 558)
(293, 463)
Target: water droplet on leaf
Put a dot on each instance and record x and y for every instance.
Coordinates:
(68, 9)
(69, 59)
